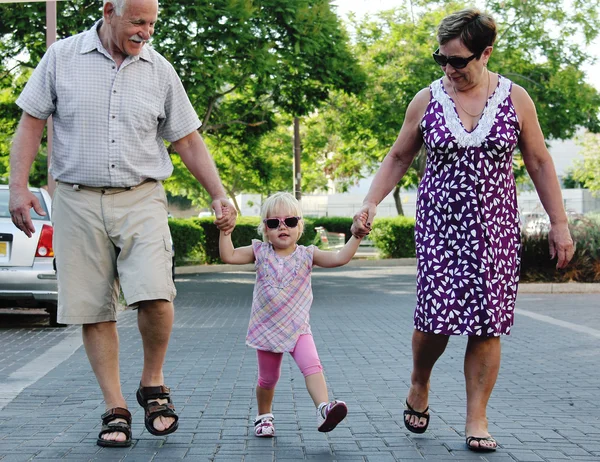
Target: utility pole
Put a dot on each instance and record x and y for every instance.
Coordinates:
(297, 154)
(50, 39)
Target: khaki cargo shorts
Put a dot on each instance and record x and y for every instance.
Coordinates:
(106, 239)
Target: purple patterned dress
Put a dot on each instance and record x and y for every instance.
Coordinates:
(467, 227)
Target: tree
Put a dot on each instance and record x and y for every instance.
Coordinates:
(241, 61)
(587, 170)
(395, 50)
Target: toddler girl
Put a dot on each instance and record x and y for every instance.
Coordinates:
(279, 321)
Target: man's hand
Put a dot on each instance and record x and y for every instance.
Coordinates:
(20, 202)
(561, 244)
(363, 220)
(225, 215)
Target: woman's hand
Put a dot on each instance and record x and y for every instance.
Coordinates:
(561, 244)
(362, 220)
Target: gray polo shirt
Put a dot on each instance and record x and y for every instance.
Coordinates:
(109, 123)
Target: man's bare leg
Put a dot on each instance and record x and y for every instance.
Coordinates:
(101, 342)
(155, 322)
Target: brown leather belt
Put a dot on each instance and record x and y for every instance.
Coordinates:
(105, 189)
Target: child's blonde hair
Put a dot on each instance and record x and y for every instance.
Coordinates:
(282, 202)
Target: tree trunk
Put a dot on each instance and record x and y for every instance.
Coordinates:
(235, 203)
(297, 156)
(398, 201)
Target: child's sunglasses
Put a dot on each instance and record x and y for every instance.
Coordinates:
(455, 61)
(273, 223)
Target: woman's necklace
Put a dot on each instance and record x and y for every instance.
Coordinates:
(484, 104)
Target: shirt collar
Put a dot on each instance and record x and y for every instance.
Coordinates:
(91, 41)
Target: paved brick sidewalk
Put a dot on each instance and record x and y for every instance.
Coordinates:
(545, 406)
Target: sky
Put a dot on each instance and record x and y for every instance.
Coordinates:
(362, 7)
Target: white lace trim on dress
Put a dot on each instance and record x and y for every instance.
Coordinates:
(476, 137)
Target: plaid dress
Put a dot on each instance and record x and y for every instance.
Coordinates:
(282, 298)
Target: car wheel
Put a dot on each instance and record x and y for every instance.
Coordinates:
(53, 312)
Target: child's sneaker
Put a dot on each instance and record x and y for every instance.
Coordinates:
(331, 414)
(263, 426)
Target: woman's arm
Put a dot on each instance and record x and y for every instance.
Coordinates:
(229, 254)
(396, 162)
(330, 259)
(541, 169)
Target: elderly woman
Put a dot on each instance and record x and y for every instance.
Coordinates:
(467, 223)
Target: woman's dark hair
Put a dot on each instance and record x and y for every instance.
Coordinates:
(475, 29)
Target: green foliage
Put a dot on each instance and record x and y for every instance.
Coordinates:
(587, 170)
(242, 63)
(569, 181)
(188, 240)
(394, 237)
(536, 265)
(245, 230)
(394, 48)
(245, 64)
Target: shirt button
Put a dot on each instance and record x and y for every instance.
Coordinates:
(112, 166)
(114, 67)
(114, 91)
(113, 141)
(114, 117)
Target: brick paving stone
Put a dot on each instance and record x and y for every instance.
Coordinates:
(541, 408)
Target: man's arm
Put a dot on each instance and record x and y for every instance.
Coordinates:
(22, 154)
(197, 159)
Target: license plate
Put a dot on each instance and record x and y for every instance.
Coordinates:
(3, 250)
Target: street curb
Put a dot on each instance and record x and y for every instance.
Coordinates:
(559, 288)
(524, 288)
(356, 262)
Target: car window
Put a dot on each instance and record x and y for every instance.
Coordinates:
(4, 213)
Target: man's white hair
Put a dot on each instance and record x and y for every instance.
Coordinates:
(119, 6)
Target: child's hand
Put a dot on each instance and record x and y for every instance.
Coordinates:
(363, 217)
(225, 215)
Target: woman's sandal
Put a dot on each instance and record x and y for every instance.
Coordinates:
(478, 440)
(154, 409)
(108, 426)
(410, 412)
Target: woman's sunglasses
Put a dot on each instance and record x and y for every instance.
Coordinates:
(455, 61)
(273, 223)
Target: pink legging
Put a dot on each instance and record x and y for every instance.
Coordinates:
(304, 353)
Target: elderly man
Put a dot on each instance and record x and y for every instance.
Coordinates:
(113, 100)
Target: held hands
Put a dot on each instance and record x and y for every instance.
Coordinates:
(362, 221)
(561, 244)
(20, 203)
(225, 215)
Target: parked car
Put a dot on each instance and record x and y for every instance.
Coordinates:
(27, 272)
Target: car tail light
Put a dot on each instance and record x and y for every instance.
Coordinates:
(44, 248)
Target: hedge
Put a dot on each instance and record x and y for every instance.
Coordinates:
(197, 242)
(394, 237)
(189, 241)
(536, 265)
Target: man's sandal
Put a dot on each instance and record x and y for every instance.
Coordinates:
(479, 447)
(108, 426)
(410, 412)
(154, 409)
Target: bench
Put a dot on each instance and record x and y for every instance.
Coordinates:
(331, 240)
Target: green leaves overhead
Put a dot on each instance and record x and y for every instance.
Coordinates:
(249, 66)
(242, 62)
(538, 47)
